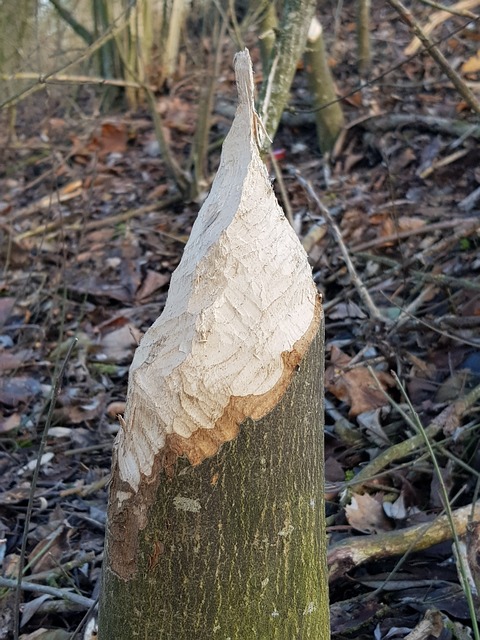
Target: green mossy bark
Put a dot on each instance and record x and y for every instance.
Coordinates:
(236, 547)
(287, 51)
(328, 112)
(363, 35)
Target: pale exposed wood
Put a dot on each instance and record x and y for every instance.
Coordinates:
(197, 373)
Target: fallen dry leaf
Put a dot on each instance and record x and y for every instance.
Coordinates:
(13, 361)
(6, 308)
(111, 139)
(118, 346)
(355, 386)
(398, 510)
(151, 283)
(81, 411)
(402, 224)
(57, 543)
(366, 514)
(115, 408)
(18, 390)
(472, 65)
(11, 422)
(346, 309)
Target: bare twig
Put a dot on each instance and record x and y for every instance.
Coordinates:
(469, 202)
(437, 55)
(450, 415)
(80, 559)
(407, 313)
(42, 588)
(358, 284)
(436, 329)
(438, 279)
(443, 162)
(67, 224)
(461, 226)
(457, 9)
(444, 13)
(449, 126)
(28, 515)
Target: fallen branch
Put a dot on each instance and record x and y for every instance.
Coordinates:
(58, 78)
(66, 224)
(355, 551)
(86, 557)
(458, 128)
(41, 588)
(461, 226)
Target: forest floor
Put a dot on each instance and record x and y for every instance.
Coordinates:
(91, 228)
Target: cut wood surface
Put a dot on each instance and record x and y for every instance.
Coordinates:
(218, 353)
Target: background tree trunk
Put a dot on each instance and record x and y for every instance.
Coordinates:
(287, 51)
(328, 112)
(216, 518)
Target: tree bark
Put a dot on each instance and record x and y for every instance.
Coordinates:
(216, 522)
(287, 51)
(363, 36)
(328, 111)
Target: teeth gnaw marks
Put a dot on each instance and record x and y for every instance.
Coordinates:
(241, 298)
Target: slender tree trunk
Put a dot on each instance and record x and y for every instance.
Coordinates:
(363, 35)
(267, 26)
(216, 525)
(328, 112)
(287, 51)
